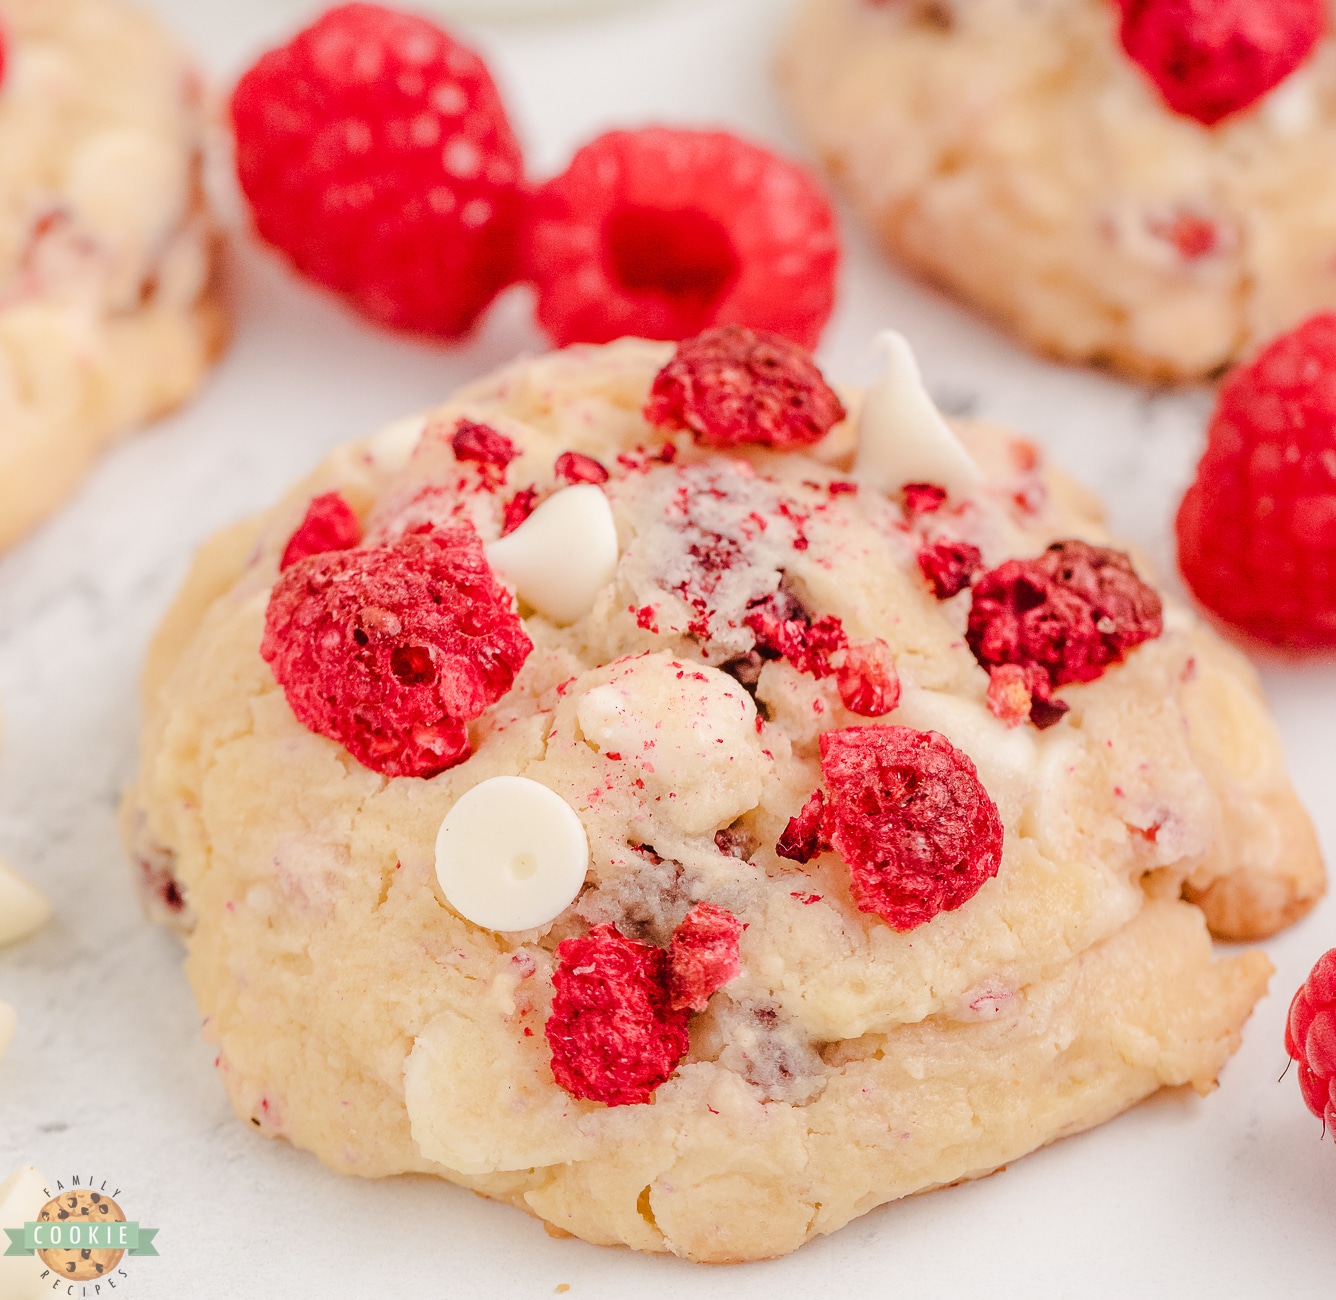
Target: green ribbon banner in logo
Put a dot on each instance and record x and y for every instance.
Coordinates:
(80, 1234)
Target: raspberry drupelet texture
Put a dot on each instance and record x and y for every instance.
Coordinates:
(391, 650)
(660, 233)
(703, 956)
(1064, 616)
(375, 152)
(1310, 1039)
(613, 1031)
(907, 812)
(329, 525)
(734, 386)
(1212, 58)
(1257, 528)
(949, 566)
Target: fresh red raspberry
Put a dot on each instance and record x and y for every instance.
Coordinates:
(906, 811)
(576, 467)
(613, 1031)
(703, 956)
(733, 386)
(329, 525)
(868, 681)
(375, 152)
(391, 650)
(660, 233)
(949, 566)
(923, 498)
(1310, 1038)
(481, 445)
(784, 630)
(1070, 613)
(1211, 58)
(1257, 528)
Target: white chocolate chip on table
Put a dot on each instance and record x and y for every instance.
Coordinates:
(22, 1196)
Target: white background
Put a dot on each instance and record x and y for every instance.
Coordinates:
(1231, 1196)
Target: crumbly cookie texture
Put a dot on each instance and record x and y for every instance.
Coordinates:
(848, 1064)
(1013, 152)
(108, 311)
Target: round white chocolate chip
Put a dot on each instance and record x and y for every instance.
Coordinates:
(511, 854)
(23, 908)
(22, 1195)
(392, 447)
(902, 437)
(562, 555)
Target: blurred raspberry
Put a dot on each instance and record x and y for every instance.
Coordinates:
(1257, 528)
(868, 682)
(949, 566)
(576, 467)
(329, 525)
(391, 650)
(375, 152)
(614, 1034)
(660, 233)
(733, 386)
(1310, 1038)
(906, 811)
(1069, 613)
(703, 956)
(923, 498)
(1211, 58)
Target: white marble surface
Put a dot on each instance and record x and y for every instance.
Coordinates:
(1231, 1196)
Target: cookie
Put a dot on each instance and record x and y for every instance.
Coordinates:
(1016, 154)
(108, 311)
(819, 910)
(80, 1205)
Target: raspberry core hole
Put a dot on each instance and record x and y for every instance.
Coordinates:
(681, 254)
(412, 665)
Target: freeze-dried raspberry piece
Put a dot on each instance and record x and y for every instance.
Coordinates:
(483, 446)
(703, 956)
(1009, 696)
(518, 509)
(1070, 612)
(660, 233)
(1310, 1038)
(923, 498)
(784, 630)
(1211, 58)
(803, 838)
(949, 566)
(576, 467)
(391, 650)
(375, 152)
(614, 1034)
(1257, 528)
(733, 386)
(867, 678)
(329, 525)
(906, 811)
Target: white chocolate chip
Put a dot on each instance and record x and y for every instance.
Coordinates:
(23, 908)
(129, 187)
(22, 1196)
(511, 854)
(392, 446)
(1292, 108)
(902, 437)
(691, 732)
(562, 555)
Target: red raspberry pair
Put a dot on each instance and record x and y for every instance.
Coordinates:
(376, 152)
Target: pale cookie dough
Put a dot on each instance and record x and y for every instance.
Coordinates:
(1011, 151)
(359, 1016)
(109, 314)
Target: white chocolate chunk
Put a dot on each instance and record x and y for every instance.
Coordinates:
(129, 187)
(22, 1196)
(902, 437)
(690, 729)
(511, 854)
(23, 908)
(392, 446)
(562, 555)
(480, 1098)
